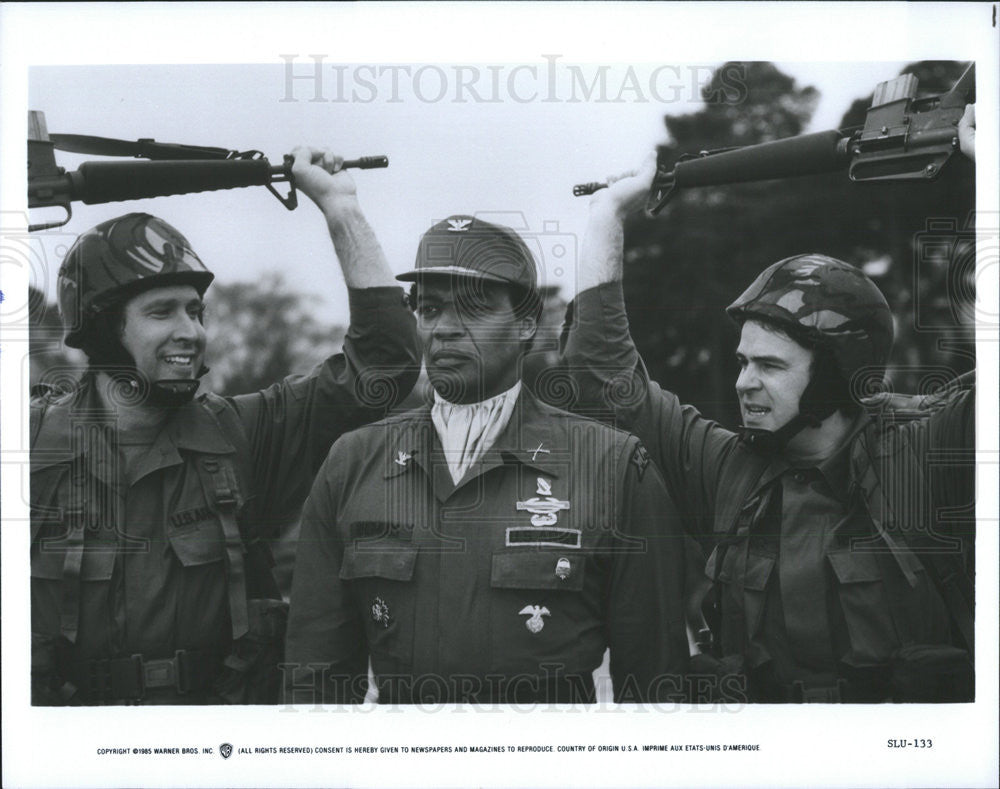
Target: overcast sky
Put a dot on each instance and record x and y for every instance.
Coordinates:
(508, 139)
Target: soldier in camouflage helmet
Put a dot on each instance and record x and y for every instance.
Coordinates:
(108, 267)
(151, 507)
(833, 579)
(829, 308)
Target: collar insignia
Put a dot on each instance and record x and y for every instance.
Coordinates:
(402, 458)
(534, 455)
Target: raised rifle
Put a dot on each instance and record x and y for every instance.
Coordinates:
(904, 138)
(169, 169)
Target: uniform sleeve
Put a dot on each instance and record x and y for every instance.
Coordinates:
(946, 441)
(326, 654)
(612, 382)
(645, 614)
(292, 424)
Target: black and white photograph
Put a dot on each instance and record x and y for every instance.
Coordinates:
(499, 394)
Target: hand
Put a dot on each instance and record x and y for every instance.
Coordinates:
(967, 132)
(319, 175)
(627, 191)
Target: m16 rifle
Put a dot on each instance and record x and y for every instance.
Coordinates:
(170, 169)
(904, 138)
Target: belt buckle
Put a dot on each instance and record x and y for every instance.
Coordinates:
(163, 673)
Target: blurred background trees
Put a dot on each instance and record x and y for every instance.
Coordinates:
(260, 332)
(684, 266)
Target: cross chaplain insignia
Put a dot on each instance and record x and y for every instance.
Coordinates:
(544, 512)
(535, 622)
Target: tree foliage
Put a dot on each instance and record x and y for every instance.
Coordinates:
(50, 361)
(260, 332)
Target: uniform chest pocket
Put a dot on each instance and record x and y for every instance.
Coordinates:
(865, 607)
(63, 520)
(530, 569)
(759, 567)
(81, 544)
(380, 575)
(541, 613)
(722, 568)
(198, 544)
(742, 577)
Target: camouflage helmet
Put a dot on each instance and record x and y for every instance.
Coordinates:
(824, 303)
(117, 260)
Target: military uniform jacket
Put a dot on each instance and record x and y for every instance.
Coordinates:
(905, 579)
(509, 586)
(155, 565)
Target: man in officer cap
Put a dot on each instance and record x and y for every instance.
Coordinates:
(833, 581)
(486, 547)
(150, 580)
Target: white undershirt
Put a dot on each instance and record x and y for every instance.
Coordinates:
(467, 430)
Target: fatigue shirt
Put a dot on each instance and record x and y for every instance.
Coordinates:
(120, 568)
(819, 568)
(508, 586)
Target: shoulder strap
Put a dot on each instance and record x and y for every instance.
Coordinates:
(233, 429)
(228, 481)
(220, 484)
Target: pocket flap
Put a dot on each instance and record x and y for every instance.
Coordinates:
(759, 567)
(48, 562)
(730, 554)
(852, 567)
(379, 561)
(200, 545)
(529, 569)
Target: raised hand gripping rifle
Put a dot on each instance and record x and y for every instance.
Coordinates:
(170, 169)
(904, 138)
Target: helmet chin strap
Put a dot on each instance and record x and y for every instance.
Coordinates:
(173, 392)
(771, 442)
(162, 393)
(813, 409)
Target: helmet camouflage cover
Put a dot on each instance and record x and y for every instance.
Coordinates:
(119, 259)
(822, 302)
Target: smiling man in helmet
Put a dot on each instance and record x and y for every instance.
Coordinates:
(834, 578)
(151, 579)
